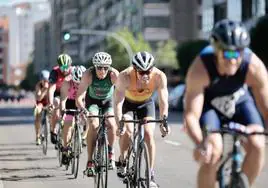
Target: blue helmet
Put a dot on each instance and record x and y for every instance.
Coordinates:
(44, 75)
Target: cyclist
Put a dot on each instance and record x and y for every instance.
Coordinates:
(68, 93)
(134, 88)
(216, 90)
(41, 98)
(56, 78)
(97, 86)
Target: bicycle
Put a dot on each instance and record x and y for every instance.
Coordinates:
(133, 177)
(100, 156)
(76, 142)
(44, 129)
(237, 179)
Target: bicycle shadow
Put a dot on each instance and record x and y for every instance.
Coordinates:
(28, 159)
(11, 170)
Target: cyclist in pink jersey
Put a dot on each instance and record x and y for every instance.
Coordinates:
(67, 101)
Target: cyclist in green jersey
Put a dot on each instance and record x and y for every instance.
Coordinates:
(97, 86)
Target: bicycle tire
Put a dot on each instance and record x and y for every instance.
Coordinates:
(130, 165)
(44, 133)
(76, 150)
(143, 156)
(240, 182)
(59, 145)
(101, 178)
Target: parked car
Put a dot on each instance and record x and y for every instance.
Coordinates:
(175, 98)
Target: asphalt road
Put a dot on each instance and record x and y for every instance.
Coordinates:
(22, 163)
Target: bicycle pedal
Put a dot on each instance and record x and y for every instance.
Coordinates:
(125, 180)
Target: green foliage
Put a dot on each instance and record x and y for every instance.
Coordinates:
(30, 80)
(118, 51)
(166, 55)
(258, 39)
(187, 51)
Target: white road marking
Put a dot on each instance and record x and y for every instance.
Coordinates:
(172, 142)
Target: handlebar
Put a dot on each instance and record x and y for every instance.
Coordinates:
(163, 121)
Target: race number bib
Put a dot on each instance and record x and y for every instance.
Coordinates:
(226, 104)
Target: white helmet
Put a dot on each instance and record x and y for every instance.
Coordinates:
(102, 59)
(77, 73)
(143, 61)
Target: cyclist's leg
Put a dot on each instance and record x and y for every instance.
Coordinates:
(147, 111)
(207, 171)
(124, 140)
(111, 124)
(93, 109)
(54, 119)
(37, 122)
(67, 131)
(247, 114)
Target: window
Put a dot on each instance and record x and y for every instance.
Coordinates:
(199, 22)
(246, 9)
(220, 11)
(157, 21)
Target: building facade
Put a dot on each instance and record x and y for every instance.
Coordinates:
(4, 41)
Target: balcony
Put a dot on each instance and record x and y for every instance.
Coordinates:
(156, 9)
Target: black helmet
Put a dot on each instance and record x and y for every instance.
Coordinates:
(230, 35)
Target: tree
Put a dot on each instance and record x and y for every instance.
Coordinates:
(30, 80)
(258, 38)
(166, 54)
(187, 51)
(118, 51)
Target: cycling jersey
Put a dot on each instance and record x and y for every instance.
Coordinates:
(100, 88)
(227, 97)
(144, 94)
(56, 77)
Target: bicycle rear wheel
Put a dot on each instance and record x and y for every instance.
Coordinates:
(101, 162)
(143, 168)
(44, 134)
(76, 151)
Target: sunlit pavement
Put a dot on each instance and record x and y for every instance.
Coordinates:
(22, 164)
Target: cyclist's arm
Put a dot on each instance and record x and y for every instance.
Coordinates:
(52, 86)
(119, 95)
(257, 79)
(64, 95)
(196, 80)
(163, 95)
(38, 92)
(114, 74)
(82, 89)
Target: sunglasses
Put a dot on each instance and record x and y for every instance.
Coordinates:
(64, 68)
(231, 54)
(99, 68)
(144, 72)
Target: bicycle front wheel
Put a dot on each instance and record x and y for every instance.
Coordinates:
(101, 162)
(76, 151)
(59, 144)
(143, 168)
(44, 134)
(240, 181)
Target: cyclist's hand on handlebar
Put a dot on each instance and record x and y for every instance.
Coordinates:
(50, 108)
(203, 153)
(84, 111)
(121, 129)
(164, 129)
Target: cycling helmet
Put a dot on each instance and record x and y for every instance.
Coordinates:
(44, 75)
(230, 35)
(64, 60)
(77, 73)
(143, 61)
(102, 59)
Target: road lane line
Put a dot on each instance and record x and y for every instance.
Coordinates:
(174, 143)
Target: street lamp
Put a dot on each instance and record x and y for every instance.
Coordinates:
(67, 36)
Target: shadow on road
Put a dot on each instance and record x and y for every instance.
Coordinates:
(29, 159)
(10, 170)
(21, 178)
